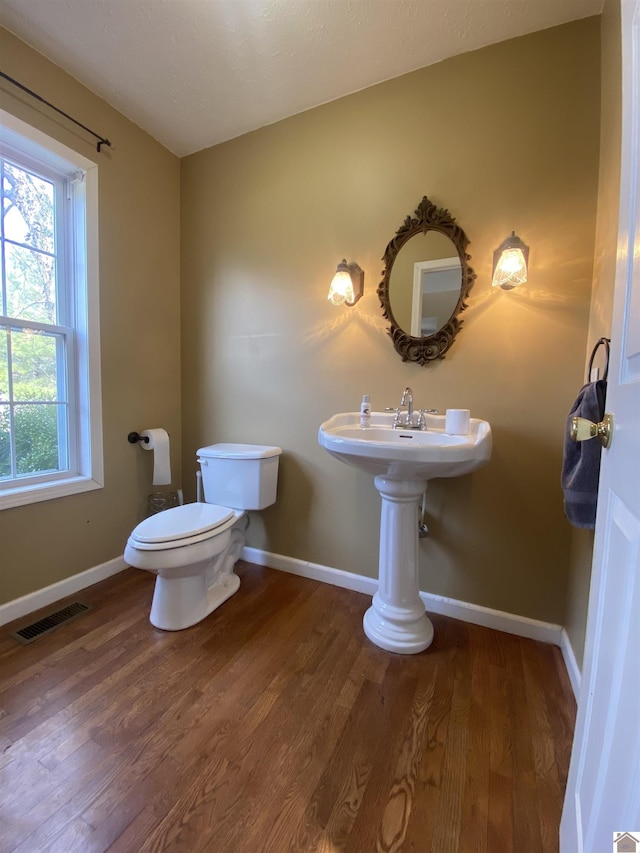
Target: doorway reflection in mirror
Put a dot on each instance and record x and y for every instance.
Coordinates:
(436, 288)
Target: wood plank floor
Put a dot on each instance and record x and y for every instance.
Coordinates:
(275, 725)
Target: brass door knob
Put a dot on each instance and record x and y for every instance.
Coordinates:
(583, 430)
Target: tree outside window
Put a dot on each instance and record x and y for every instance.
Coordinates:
(50, 398)
(33, 408)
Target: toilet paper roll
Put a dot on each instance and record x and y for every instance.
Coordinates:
(457, 421)
(159, 443)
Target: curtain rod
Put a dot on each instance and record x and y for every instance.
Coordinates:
(101, 139)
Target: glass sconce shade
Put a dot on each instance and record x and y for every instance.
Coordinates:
(510, 263)
(341, 288)
(347, 284)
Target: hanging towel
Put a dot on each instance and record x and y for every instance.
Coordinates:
(581, 462)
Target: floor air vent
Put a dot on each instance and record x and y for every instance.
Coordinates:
(48, 623)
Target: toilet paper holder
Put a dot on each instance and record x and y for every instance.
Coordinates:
(135, 437)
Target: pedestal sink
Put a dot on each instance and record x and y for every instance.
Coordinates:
(402, 461)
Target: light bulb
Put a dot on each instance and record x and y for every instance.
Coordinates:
(341, 289)
(511, 269)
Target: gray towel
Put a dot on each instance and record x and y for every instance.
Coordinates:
(581, 462)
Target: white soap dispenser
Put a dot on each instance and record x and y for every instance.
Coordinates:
(365, 411)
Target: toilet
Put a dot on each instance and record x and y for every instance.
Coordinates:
(192, 549)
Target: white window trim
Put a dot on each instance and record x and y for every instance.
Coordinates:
(88, 372)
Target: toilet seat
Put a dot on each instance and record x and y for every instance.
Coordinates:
(181, 526)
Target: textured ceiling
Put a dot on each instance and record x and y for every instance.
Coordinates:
(194, 73)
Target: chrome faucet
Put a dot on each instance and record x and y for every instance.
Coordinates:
(407, 400)
(404, 420)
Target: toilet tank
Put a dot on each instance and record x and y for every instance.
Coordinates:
(240, 476)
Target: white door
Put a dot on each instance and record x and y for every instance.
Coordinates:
(603, 791)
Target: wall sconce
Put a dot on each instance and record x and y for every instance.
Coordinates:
(347, 285)
(510, 263)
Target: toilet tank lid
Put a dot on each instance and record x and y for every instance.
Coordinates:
(238, 451)
(181, 522)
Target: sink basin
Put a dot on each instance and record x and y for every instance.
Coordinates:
(402, 461)
(406, 454)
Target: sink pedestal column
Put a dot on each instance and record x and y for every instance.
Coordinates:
(396, 620)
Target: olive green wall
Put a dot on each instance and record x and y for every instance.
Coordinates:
(139, 323)
(603, 285)
(505, 138)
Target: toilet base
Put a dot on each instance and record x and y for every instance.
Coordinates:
(179, 603)
(192, 581)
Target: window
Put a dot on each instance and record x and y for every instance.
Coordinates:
(50, 418)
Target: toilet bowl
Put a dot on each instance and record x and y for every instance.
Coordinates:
(192, 549)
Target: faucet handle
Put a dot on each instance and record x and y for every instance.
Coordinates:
(422, 421)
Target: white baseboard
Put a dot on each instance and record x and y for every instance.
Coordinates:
(20, 607)
(314, 571)
(499, 620)
(510, 623)
(571, 663)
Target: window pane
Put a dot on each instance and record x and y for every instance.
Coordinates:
(31, 284)
(4, 367)
(37, 438)
(38, 372)
(3, 309)
(28, 209)
(5, 422)
(5, 441)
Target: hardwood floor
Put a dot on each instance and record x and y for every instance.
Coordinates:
(275, 725)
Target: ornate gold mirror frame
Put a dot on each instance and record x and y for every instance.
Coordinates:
(427, 218)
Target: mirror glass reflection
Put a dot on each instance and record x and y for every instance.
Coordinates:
(425, 283)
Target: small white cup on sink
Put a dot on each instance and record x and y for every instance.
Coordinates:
(457, 421)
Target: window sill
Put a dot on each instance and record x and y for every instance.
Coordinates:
(22, 495)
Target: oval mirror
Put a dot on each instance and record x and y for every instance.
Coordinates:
(425, 285)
